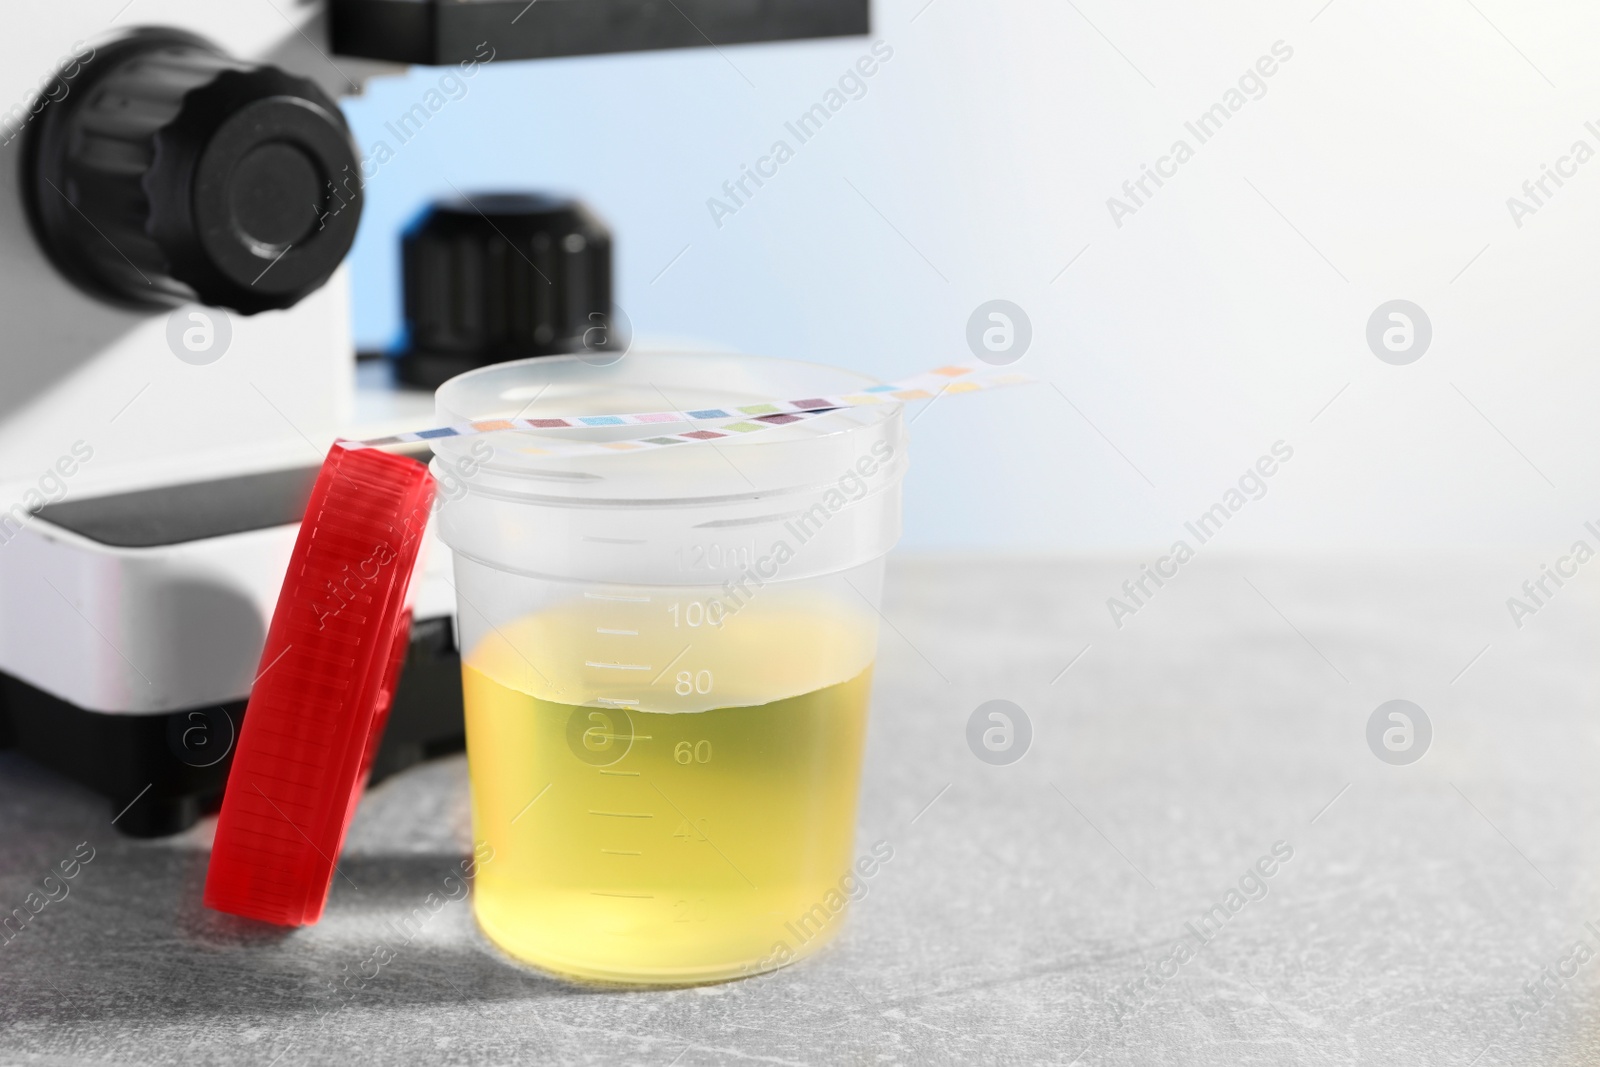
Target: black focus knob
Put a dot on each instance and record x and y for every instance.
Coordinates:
(173, 173)
(503, 276)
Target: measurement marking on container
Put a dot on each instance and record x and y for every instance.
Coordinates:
(618, 596)
(619, 852)
(623, 774)
(624, 896)
(623, 814)
(610, 700)
(617, 666)
(615, 540)
(620, 633)
(704, 836)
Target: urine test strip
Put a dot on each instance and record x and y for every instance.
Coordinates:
(718, 422)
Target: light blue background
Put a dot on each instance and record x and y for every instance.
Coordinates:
(1221, 317)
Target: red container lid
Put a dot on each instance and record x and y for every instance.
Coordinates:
(322, 694)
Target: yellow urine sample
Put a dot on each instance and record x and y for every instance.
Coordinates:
(672, 829)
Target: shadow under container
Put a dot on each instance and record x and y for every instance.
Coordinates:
(666, 656)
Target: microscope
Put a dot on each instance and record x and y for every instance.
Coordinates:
(180, 198)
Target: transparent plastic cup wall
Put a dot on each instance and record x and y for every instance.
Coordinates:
(666, 658)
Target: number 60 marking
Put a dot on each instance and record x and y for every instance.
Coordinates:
(697, 752)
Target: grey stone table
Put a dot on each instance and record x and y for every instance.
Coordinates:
(1056, 910)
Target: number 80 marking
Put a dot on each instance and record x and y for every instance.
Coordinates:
(698, 682)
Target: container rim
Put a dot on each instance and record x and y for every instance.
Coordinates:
(777, 461)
